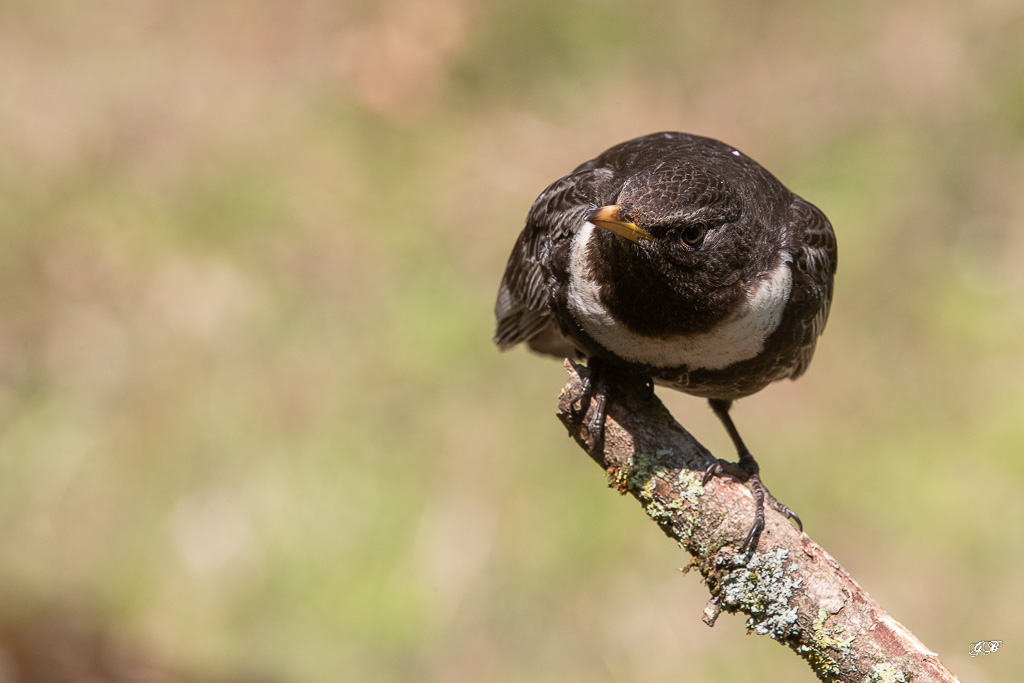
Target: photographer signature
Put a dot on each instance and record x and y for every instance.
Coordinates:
(984, 647)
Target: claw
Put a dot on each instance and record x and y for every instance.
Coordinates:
(761, 496)
(596, 423)
(581, 402)
(709, 474)
(786, 512)
(593, 390)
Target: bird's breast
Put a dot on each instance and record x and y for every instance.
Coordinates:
(740, 336)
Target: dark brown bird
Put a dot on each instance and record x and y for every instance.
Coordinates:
(678, 259)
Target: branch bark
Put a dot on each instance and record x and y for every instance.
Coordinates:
(790, 589)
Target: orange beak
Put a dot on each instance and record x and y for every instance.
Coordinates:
(610, 218)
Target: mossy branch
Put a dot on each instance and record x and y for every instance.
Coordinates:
(790, 588)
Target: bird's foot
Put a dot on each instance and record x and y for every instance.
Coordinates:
(593, 393)
(747, 471)
(579, 403)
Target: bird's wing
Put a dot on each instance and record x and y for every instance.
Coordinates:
(813, 247)
(523, 307)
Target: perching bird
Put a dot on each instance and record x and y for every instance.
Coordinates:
(678, 259)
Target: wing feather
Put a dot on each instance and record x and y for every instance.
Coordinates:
(523, 307)
(814, 267)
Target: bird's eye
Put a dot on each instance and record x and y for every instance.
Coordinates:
(694, 234)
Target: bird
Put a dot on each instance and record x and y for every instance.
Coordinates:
(679, 260)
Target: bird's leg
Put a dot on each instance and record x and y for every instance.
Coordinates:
(746, 470)
(593, 390)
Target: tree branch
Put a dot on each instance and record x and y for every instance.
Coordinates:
(790, 588)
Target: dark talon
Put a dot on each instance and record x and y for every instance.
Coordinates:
(581, 403)
(709, 474)
(597, 421)
(593, 392)
(787, 513)
(754, 535)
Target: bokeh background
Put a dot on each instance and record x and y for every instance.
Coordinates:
(252, 427)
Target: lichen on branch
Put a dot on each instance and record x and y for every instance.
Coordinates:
(789, 588)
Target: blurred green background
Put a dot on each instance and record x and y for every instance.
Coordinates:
(252, 426)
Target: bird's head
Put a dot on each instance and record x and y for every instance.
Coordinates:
(689, 232)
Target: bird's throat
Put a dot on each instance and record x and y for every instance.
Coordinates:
(615, 317)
